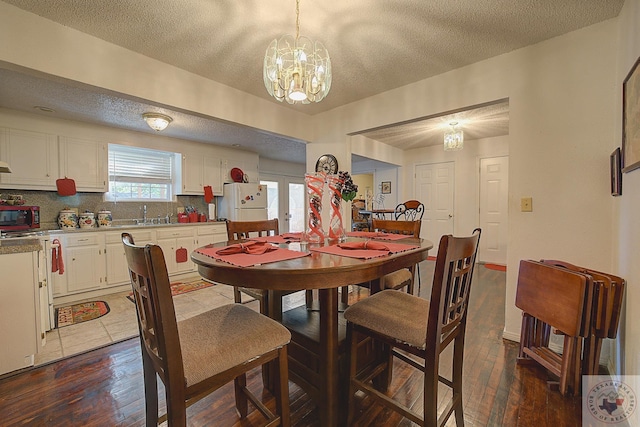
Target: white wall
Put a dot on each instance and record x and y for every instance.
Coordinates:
(561, 95)
(467, 167)
(626, 227)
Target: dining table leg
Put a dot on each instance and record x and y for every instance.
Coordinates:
(329, 408)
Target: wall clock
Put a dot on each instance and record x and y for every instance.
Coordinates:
(327, 163)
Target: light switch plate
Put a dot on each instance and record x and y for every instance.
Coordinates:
(526, 204)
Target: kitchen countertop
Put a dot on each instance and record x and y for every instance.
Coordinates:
(16, 246)
(132, 227)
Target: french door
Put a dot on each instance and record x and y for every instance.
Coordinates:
(285, 201)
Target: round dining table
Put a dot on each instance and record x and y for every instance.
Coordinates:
(316, 335)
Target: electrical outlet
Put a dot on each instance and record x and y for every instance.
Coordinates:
(526, 204)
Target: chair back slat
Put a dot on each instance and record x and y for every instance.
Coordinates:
(154, 307)
(411, 228)
(237, 230)
(411, 210)
(451, 287)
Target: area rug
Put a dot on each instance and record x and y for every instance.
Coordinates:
(78, 313)
(178, 288)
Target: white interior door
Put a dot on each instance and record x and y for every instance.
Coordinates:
(494, 175)
(285, 201)
(434, 188)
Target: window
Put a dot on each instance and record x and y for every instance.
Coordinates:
(139, 174)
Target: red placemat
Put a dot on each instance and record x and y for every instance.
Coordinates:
(364, 253)
(249, 260)
(378, 235)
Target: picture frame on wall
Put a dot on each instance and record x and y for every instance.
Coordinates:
(385, 187)
(616, 172)
(631, 119)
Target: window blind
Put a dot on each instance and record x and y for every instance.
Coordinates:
(133, 164)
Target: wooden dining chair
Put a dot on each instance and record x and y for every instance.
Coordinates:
(405, 277)
(197, 356)
(411, 210)
(238, 230)
(408, 327)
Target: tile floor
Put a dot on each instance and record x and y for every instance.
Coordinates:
(121, 323)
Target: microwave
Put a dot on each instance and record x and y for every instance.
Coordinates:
(19, 217)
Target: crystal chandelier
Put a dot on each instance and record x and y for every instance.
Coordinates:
(297, 69)
(157, 121)
(454, 139)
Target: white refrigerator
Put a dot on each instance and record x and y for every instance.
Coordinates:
(243, 202)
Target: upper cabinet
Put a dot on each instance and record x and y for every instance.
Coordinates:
(248, 166)
(199, 171)
(85, 161)
(38, 159)
(33, 158)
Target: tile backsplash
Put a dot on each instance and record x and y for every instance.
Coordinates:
(123, 212)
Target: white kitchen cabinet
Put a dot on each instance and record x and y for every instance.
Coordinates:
(84, 264)
(248, 167)
(212, 233)
(85, 161)
(18, 311)
(173, 242)
(33, 157)
(117, 269)
(198, 171)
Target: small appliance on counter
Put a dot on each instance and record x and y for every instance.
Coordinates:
(14, 218)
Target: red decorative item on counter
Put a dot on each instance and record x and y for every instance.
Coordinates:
(193, 217)
(183, 218)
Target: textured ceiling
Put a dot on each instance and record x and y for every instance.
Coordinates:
(374, 46)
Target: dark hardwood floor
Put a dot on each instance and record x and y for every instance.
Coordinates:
(104, 387)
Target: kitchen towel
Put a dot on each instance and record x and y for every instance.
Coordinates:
(56, 257)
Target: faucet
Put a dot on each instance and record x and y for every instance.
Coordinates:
(144, 214)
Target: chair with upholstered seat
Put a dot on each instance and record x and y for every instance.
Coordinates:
(410, 328)
(197, 356)
(404, 277)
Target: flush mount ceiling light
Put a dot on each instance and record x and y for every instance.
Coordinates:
(297, 69)
(157, 121)
(453, 139)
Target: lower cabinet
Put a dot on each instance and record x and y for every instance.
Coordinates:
(18, 313)
(117, 270)
(177, 245)
(94, 261)
(83, 257)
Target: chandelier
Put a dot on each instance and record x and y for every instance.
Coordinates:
(157, 121)
(453, 139)
(297, 69)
